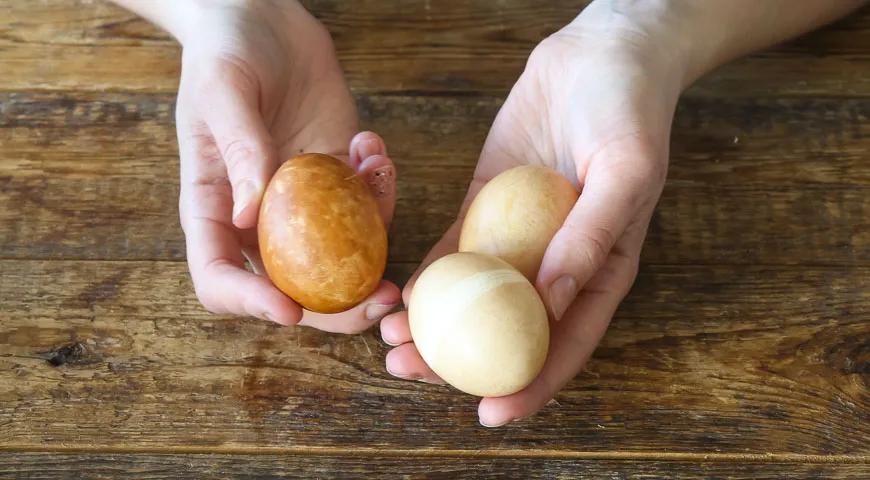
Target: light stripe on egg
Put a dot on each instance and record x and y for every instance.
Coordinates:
(466, 291)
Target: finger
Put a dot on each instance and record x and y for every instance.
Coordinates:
(360, 318)
(368, 156)
(395, 329)
(221, 283)
(380, 175)
(364, 145)
(240, 134)
(214, 255)
(610, 199)
(573, 340)
(405, 362)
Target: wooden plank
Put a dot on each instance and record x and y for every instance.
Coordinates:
(445, 46)
(742, 141)
(95, 176)
(201, 467)
(719, 360)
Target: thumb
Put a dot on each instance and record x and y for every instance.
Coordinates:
(608, 202)
(244, 143)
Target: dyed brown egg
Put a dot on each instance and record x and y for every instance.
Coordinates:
(322, 237)
(516, 214)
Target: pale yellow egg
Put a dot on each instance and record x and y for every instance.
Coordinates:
(516, 215)
(479, 324)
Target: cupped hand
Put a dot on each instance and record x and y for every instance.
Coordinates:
(260, 84)
(595, 103)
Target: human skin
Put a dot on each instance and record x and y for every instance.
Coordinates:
(595, 103)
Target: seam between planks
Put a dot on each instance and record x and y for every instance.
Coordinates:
(838, 459)
(403, 263)
(484, 92)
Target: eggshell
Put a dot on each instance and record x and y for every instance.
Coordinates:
(322, 237)
(479, 324)
(516, 215)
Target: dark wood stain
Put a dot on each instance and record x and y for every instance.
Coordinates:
(260, 393)
(102, 291)
(73, 354)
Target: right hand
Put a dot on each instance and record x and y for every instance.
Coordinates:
(260, 84)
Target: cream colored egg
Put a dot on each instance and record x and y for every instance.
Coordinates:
(479, 324)
(516, 215)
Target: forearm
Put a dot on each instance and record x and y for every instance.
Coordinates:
(725, 30)
(709, 33)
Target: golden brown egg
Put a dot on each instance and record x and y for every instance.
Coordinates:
(479, 324)
(322, 237)
(516, 215)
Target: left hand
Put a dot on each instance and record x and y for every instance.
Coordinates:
(595, 103)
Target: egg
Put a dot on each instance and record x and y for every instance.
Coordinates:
(516, 214)
(479, 324)
(322, 238)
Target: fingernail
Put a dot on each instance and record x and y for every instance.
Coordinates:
(376, 311)
(387, 341)
(242, 197)
(562, 294)
(403, 376)
(495, 425)
(369, 147)
(380, 180)
(415, 377)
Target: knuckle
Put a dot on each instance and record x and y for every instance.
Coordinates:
(594, 245)
(626, 280)
(206, 299)
(229, 70)
(623, 273)
(203, 287)
(237, 153)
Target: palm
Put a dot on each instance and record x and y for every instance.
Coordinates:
(316, 112)
(304, 99)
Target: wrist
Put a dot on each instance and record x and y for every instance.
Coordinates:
(180, 17)
(648, 34)
(177, 17)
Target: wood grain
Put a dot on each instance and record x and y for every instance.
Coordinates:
(201, 467)
(743, 350)
(721, 359)
(95, 176)
(412, 46)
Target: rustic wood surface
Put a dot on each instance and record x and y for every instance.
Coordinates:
(743, 350)
(37, 466)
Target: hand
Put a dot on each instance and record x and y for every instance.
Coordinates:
(594, 103)
(260, 84)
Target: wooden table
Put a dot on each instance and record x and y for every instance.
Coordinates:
(742, 352)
